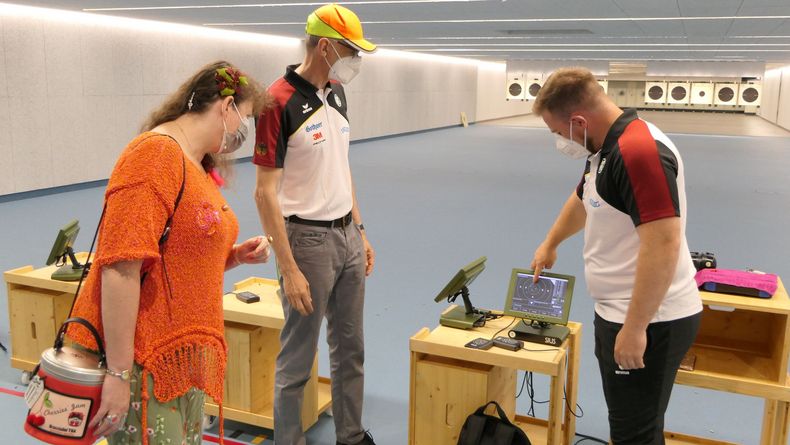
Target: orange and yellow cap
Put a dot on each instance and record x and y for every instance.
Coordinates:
(336, 22)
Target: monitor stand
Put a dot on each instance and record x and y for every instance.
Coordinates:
(69, 272)
(466, 317)
(543, 333)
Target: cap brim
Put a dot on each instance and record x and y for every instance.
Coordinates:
(362, 45)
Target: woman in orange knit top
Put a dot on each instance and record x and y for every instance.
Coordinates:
(159, 305)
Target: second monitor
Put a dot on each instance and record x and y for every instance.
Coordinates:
(543, 306)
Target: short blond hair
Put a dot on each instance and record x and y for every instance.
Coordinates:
(567, 90)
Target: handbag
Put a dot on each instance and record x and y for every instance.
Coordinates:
(483, 429)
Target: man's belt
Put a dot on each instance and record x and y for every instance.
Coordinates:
(340, 222)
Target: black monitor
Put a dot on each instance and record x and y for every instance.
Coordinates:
(548, 301)
(63, 251)
(466, 317)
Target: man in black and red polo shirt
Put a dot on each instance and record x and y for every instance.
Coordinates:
(631, 203)
(306, 201)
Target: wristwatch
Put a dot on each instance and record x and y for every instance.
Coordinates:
(361, 226)
(124, 375)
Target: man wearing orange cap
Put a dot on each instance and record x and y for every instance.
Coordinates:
(306, 201)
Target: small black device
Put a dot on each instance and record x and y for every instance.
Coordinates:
(703, 260)
(480, 343)
(508, 343)
(248, 297)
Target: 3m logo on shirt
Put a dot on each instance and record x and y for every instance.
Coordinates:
(317, 136)
(314, 127)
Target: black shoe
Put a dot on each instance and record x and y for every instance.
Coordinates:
(366, 440)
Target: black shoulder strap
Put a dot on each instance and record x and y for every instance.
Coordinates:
(169, 222)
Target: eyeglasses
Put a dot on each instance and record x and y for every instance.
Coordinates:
(355, 52)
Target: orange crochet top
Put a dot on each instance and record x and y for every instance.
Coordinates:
(179, 339)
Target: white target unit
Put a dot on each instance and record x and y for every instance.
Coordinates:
(515, 87)
(702, 93)
(678, 92)
(750, 94)
(604, 85)
(655, 92)
(725, 94)
(532, 88)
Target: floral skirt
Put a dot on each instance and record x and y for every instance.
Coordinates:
(177, 422)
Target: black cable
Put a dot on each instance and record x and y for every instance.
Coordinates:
(585, 437)
(523, 381)
(506, 327)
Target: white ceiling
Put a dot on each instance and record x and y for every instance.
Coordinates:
(614, 30)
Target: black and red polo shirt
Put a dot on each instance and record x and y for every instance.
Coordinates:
(307, 135)
(637, 177)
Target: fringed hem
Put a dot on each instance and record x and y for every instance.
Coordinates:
(191, 361)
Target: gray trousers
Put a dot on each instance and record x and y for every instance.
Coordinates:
(333, 262)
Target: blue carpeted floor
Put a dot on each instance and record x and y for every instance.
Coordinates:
(434, 201)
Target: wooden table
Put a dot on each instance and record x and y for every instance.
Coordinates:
(448, 381)
(37, 306)
(252, 331)
(743, 347)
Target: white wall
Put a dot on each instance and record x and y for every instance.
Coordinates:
(74, 88)
(775, 106)
(491, 101)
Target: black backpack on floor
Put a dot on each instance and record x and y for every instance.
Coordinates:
(482, 429)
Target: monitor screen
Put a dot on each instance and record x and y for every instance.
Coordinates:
(548, 300)
(463, 277)
(64, 241)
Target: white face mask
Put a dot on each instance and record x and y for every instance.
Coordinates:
(345, 69)
(570, 148)
(233, 141)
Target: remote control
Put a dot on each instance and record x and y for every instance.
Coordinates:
(248, 297)
(480, 343)
(508, 343)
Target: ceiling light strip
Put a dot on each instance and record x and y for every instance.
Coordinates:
(543, 45)
(270, 5)
(530, 20)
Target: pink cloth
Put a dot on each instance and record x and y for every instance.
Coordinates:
(764, 282)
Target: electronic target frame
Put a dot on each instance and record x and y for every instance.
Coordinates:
(547, 301)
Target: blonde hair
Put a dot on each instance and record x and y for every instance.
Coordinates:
(565, 90)
(197, 94)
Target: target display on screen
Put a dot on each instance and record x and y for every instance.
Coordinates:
(547, 300)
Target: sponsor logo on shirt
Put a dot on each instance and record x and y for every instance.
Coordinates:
(337, 101)
(306, 108)
(345, 130)
(314, 127)
(317, 136)
(595, 203)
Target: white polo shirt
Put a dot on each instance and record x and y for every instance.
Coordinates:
(307, 134)
(637, 177)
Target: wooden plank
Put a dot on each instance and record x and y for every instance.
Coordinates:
(262, 419)
(41, 277)
(449, 342)
(556, 407)
(734, 384)
(685, 439)
(267, 313)
(572, 381)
